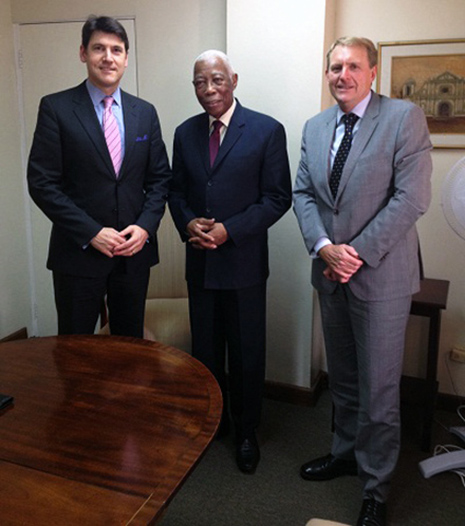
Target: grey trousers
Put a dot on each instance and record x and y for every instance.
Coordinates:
(364, 347)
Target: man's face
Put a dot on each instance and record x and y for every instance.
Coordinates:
(349, 76)
(214, 86)
(106, 59)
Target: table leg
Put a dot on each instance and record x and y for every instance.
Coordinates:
(431, 379)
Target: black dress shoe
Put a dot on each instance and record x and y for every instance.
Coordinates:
(327, 468)
(248, 455)
(373, 513)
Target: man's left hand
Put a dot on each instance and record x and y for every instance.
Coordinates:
(215, 236)
(136, 237)
(219, 234)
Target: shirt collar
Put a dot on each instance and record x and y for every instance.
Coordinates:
(226, 117)
(359, 110)
(97, 94)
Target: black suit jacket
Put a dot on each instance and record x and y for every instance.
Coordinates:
(72, 180)
(247, 189)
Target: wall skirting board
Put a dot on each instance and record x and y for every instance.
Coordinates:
(309, 396)
(297, 395)
(20, 334)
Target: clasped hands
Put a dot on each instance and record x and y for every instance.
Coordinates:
(125, 243)
(206, 234)
(343, 262)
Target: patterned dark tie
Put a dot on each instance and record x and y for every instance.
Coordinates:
(215, 141)
(342, 152)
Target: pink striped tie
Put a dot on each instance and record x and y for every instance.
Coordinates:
(112, 135)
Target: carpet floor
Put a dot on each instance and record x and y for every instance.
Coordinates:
(218, 494)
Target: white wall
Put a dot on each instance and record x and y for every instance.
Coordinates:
(277, 47)
(14, 273)
(277, 52)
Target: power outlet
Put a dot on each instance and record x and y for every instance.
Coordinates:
(457, 354)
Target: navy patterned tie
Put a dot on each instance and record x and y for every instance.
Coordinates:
(342, 152)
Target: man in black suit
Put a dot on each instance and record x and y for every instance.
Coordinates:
(105, 201)
(222, 206)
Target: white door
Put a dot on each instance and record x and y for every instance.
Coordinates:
(49, 62)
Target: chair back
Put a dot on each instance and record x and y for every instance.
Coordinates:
(167, 279)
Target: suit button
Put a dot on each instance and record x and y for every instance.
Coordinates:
(335, 211)
(209, 210)
(210, 183)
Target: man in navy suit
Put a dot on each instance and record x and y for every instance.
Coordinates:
(223, 207)
(105, 215)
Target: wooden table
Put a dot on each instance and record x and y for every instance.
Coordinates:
(429, 302)
(104, 430)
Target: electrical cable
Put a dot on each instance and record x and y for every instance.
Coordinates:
(440, 449)
(460, 409)
(447, 449)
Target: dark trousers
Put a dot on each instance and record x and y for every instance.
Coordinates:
(232, 321)
(79, 301)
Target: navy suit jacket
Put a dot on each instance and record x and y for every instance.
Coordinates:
(72, 180)
(247, 189)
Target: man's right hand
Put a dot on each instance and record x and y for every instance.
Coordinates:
(343, 262)
(198, 229)
(107, 240)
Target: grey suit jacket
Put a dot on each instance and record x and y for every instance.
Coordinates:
(385, 187)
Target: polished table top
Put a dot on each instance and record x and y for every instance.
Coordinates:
(103, 430)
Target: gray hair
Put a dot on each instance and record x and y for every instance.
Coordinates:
(213, 54)
(355, 42)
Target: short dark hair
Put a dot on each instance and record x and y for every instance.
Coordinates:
(105, 24)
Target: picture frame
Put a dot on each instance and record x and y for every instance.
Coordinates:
(430, 73)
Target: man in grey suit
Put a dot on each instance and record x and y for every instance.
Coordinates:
(357, 209)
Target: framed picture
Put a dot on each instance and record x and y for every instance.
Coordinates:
(431, 74)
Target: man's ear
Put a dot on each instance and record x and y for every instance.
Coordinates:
(82, 53)
(235, 78)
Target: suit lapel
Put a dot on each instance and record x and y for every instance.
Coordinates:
(85, 113)
(202, 137)
(367, 126)
(131, 119)
(324, 152)
(233, 134)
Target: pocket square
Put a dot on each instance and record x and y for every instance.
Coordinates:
(144, 138)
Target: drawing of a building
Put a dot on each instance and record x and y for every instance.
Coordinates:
(439, 97)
